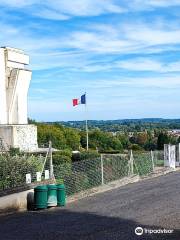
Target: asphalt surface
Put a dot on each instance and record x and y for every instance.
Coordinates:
(152, 204)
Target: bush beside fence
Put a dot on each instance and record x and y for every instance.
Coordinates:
(80, 175)
(13, 170)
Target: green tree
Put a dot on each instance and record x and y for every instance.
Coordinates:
(72, 137)
(124, 139)
(141, 138)
(162, 139)
(48, 133)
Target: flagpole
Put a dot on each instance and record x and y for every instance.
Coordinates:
(87, 133)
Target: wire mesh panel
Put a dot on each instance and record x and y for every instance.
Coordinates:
(80, 175)
(142, 163)
(158, 158)
(115, 166)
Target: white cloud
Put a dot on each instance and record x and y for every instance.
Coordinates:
(140, 64)
(150, 5)
(161, 3)
(17, 3)
(63, 9)
(152, 34)
(85, 7)
(146, 64)
(78, 50)
(174, 67)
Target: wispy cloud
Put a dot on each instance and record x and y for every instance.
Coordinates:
(63, 10)
(128, 50)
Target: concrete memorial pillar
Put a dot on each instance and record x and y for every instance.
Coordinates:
(14, 84)
(178, 155)
(170, 155)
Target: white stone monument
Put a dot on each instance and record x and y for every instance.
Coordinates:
(170, 156)
(178, 155)
(14, 83)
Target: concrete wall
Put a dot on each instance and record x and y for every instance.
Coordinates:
(23, 137)
(3, 109)
(15, 201)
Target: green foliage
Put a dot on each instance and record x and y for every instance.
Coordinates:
(136, 147)
(115, 167)
(146, 135)
(14, 151)
(72, 138)
(143, 163)
(102, 141)
(162, 139)
(62, 138)
(62, 170)
(85, 155)
(76, 182)
(48, 133)
(62, 157)
(62, 163)
(84, 175)
(124, 139)
(13, 169)
(127, 125)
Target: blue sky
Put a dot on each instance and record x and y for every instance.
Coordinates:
(124, 54)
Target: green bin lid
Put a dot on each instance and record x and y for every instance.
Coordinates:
(60, 186)
(52, 186)
(41, 187)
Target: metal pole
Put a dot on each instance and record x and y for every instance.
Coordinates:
(44, 162)
(51, 162)
(152, 159)
(102, 170)
(87, 137)
(131, 163)
(87, 134)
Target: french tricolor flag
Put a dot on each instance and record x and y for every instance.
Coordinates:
(77, 101)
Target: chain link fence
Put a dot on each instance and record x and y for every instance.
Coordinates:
(158, 158)
(87, 174)
(80, 175)
(114, 166)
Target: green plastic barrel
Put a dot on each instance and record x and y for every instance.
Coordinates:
(52, 195)
(61, 195)
(40, 197)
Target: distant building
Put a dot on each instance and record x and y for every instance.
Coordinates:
(174, 132)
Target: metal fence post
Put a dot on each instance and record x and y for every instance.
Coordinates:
(152, 159)
(102, 170)
(131, 164)
(51, 163)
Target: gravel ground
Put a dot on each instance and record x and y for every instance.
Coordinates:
(150, 204)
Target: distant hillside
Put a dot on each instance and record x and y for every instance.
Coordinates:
(126, 124)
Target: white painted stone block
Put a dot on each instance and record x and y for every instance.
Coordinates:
(46, 174)
(23, 137)
(38, 177)
(28, 178)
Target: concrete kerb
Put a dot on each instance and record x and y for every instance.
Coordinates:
(18, 201)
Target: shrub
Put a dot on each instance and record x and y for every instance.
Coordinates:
(13, 169)
(85, 156)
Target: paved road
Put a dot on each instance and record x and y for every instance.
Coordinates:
(151, 204)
